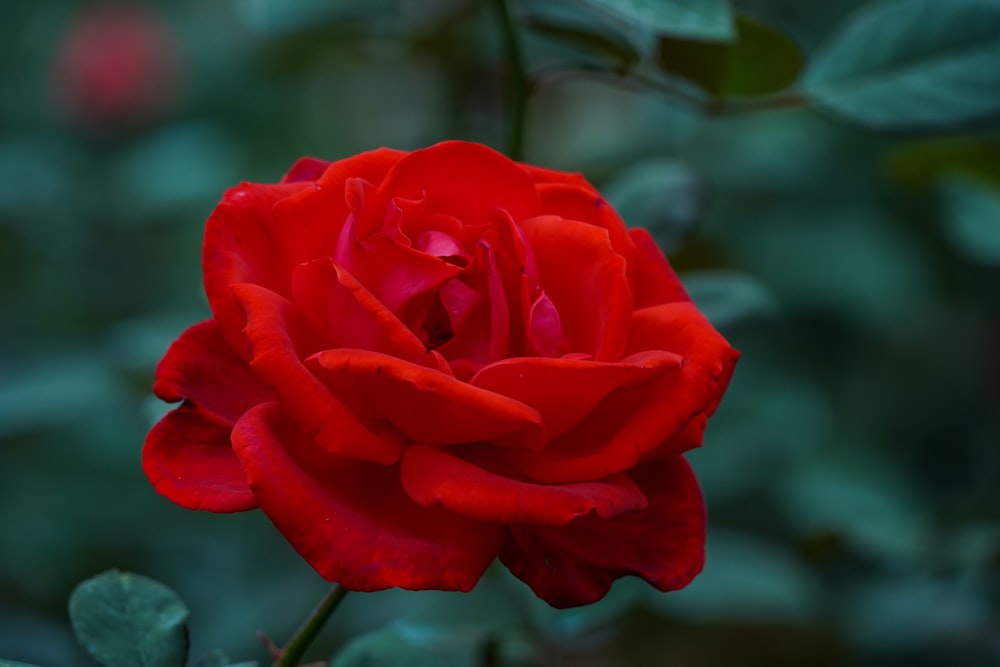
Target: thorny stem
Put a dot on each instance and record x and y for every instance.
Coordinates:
(518, 81)
(304, 636)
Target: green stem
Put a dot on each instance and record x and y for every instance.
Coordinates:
(518, 82)
(304, 636)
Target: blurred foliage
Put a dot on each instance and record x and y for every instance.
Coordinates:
(837, 215)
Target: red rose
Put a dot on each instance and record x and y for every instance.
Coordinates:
(419, 362)
(117, 63)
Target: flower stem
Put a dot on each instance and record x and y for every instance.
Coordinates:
(304, 636)
(518, 81)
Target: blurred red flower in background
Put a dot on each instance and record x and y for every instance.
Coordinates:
(118, 63)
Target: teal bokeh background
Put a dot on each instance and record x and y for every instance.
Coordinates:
(852, 473)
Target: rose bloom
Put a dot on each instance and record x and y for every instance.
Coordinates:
(419, 362)
(116, 63)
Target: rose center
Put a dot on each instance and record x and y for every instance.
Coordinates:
(436, 329)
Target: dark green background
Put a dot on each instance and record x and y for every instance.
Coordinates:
(853, 256)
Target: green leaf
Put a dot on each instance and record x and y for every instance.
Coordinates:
(598, 41)
(13, 663)
(701, 19)
(729, 297)
(912, 65)
(126, 620)
(665, 196)
(762, 60)
(972, 218)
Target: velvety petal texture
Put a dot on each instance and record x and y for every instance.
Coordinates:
(419, 362)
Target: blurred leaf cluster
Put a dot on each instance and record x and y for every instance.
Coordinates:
(825, 176)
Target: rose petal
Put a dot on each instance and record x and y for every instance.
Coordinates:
(189, 459)
(586, 280)
(242, 246)
(462, 179)
(259, 232)
(348, 315)
(200, 366)
(577, 563)
(543, 175)
(431, 475)
(633, 422)
(395, 274)
(306, 169)
(428, 406)
(351, 520)
(279, 339)
(565, 391)
(681, 328)
(481, 335)
(584, 203)
(545, 332)
(655, 280)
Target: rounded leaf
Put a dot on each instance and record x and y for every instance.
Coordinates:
(127, 620)
(912, 65)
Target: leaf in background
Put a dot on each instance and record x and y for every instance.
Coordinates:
(745, 578)
(912, 65)
(728, 298)
(972, 218)
(597, 40)
(423, 645)
(125, 620)
(665, 196)
(12, 663)
(762, 60)
(924, 162)
(701, 19)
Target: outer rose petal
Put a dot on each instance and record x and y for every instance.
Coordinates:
(543, 175)
(582, 202)
(189, 459)
(586, 280)
(432, 475)
(655, 280)
(279, 339)
(577, 563)
(306, 169)
(565, 391)
(242, 246)
(426, 405)
(633, 423)
(351, 520)
(200, 366)
(250, 239)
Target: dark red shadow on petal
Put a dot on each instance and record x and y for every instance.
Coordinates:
(351, 520)
(426, 405)
(565, 391)
(483, 488)
(189, 459)
(586, 279)
(576, 564)
(200, 366)
(279, 338)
